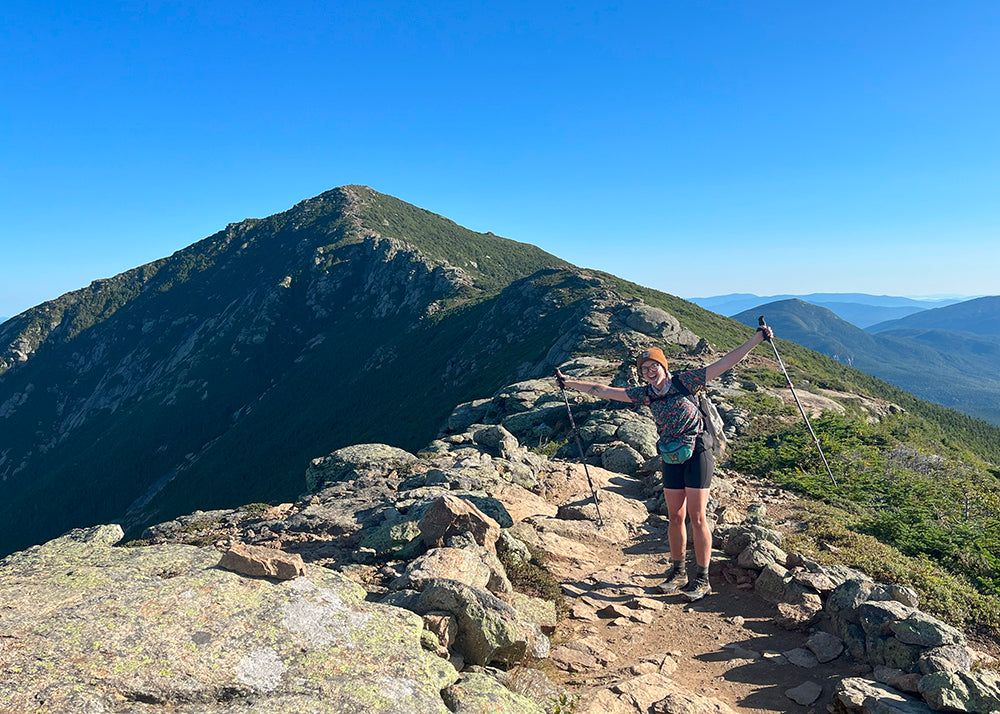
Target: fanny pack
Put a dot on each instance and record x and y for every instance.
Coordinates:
(674, 452)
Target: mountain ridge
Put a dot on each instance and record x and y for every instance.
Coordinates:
(860, 309)
(163, 364)
(980, 316)
(219, 372)
(960, 373)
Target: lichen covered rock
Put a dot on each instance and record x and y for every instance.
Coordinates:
(162, 627)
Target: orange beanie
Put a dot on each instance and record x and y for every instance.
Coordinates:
(655, 354)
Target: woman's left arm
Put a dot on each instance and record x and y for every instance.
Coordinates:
(729, 360)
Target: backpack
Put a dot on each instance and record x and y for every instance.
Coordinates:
(710, 415)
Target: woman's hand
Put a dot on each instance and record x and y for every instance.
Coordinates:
(560, 379)
(767, 332)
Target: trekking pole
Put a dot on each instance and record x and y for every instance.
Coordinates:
(579, 445)
(802, 411)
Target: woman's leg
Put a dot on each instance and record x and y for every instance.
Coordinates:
(697, 500)
(676, 499)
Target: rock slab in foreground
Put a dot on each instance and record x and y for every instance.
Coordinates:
(260, 562)
(88, 627)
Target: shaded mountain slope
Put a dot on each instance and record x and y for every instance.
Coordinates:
(241, 354)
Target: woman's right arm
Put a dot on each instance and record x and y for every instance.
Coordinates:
(598, 390)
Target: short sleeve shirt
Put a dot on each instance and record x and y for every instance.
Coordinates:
(677, 419)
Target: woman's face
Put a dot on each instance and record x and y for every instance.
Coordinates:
(653, 372)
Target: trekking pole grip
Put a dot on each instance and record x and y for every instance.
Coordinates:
(760, 327)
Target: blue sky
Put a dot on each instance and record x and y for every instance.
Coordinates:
(699, 148)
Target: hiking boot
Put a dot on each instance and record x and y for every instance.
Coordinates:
(696, 589)
(676, 579)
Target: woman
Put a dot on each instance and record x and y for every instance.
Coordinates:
(685, 449)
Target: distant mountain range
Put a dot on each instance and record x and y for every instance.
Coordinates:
(958, 369)
(980, 316)
(860, 309)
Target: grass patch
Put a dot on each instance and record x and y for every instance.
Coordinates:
(533, 579)
(948, 596)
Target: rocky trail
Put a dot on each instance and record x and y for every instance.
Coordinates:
(727, 646)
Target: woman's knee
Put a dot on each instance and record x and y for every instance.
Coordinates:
(676, 501)
(698, 520)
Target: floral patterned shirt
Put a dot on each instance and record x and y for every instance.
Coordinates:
(677, 418)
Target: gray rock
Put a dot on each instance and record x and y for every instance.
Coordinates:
(517, 472)
(840, 574)
(885, 675)
(496, 441)
(739, 538)
(847, 597)
(342, 464)
(465, 415)
(478, 692)
(523, 424)
(825, 646)
(948, 658)
(804, 694)
(400, 539)
(761, 554)
(819, 582)
(890, 652)
(877, 617)
(862, 696)
(962, 691)
(641, 435)
(771, 583)
(522, 396)
(904, 595)
(622, 459)
(801, 657)
(447, 563)
(489, 630)
(164, 624)
(512, 548)
(537, 611)
(921, 629)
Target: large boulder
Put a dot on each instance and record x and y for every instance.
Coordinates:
(962, 691)
(641, 435)
(855, 695)
(489, 630)
(496, 441)
(465, 415)
(450, 516)
(162, 627)
(478, 693)
(447, 563)
(622, 459)
(351, 460)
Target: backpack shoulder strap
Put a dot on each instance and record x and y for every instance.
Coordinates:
(679, 385)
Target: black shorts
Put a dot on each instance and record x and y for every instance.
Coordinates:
(696, 472)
